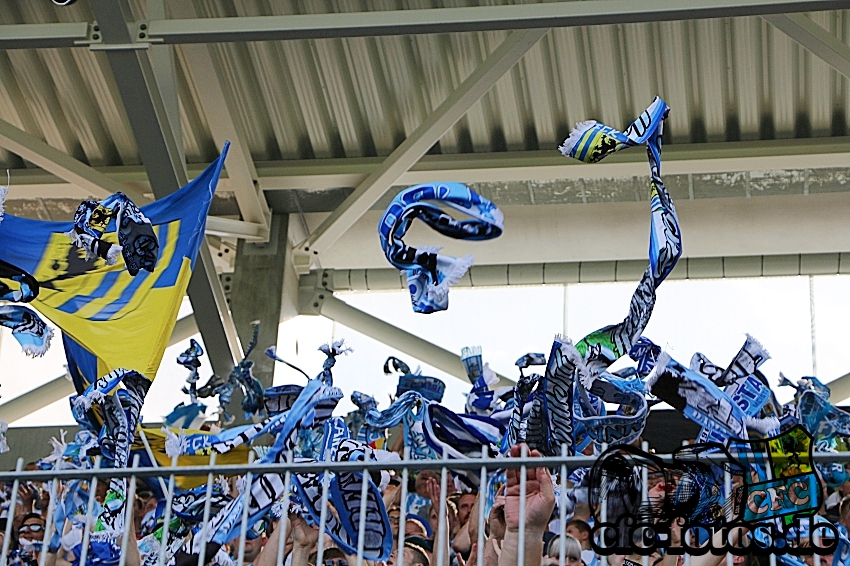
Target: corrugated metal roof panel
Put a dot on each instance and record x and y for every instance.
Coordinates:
(725, 79)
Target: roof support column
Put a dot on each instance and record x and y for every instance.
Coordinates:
(257, 292)
(165, 167)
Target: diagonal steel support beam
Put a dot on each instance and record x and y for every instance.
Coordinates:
(165, 168)
(218, 103)
(63, 165)
(417, 144)
(815, 39)
(316, 299)
(100, 185)
(60, 387)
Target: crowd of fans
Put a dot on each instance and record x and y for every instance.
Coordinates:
(543, 541)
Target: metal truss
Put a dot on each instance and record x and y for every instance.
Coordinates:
(404, 22)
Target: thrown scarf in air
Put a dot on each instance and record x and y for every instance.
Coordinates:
(591, 142)
(429, 274)
(31, 332)
(137, 242)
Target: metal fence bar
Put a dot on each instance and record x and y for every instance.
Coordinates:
(323, 515)
(89, 514)
(562, 508)
(246, 502)
(520, 554)
(48, 522)
(361, 526)
(129, 502)
(482, 488)
(7, 538)
(284, 519)
(523, 464)
(466, 464)
(202, 552)
(442, 536)
(402, 512)
(727, 489)
(166, 519)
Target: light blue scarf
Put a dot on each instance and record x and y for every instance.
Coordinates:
(410, 408)
(429, 274)
(591, 142)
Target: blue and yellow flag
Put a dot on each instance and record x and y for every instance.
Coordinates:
(109, 318)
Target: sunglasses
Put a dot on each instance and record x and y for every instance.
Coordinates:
(34, 528)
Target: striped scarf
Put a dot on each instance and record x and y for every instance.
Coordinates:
(429, 274)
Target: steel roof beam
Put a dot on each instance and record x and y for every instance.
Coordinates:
(218, 104)
(509, 52)
(63, 165)
(319, 174)
(405, 22)
(61, 387)
(165, 169)
(814, 38)
(316, 300)
(30, 36)
(472, 19)
(98, 184)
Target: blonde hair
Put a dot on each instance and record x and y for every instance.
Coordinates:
(571, 546)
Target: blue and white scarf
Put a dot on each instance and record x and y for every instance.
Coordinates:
(748, 359)
(429, 274)
(521, 410)
(410, 408)
(360, 430)
(591, 142)
(31, 332)
(482, 400)
(189, 359)
(699, 399)
(136, 239)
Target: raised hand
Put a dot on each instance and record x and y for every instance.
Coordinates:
(539, 495)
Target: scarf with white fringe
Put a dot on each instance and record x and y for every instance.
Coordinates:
(699, 399)
(137, 242)
(429, 274)
(31, 332)
(741, 383)
(409, 408)
(591, 142)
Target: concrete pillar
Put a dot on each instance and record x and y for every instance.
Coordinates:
(257, 293)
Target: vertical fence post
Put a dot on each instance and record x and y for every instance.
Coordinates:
(205, 523)
(402, 512)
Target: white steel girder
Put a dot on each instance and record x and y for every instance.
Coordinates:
(403, 22)
(218, 103)
(166, 169)
(814, 38)
(61, 387)
(712, 228)
(542, 165)
(317, 299)
(415, 145)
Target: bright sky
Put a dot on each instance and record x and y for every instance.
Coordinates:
(710, 316)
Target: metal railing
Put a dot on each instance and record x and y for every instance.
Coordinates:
(562, 465)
